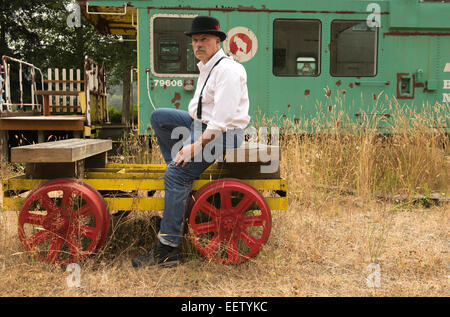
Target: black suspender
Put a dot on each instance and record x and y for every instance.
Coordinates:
(199, 106)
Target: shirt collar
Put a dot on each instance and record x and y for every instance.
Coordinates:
(212, 61)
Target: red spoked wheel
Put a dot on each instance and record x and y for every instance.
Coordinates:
(105, 214)
(229, 221)
(62, 221)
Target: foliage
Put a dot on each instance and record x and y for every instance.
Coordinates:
(115, 116)
(37, 32)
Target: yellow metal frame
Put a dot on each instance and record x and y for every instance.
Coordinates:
(138, 180)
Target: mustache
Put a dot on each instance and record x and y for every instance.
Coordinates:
(200, 49)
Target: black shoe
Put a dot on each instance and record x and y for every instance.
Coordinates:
(161, 255)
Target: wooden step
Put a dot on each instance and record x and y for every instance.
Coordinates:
(62, 151)
(64, 158)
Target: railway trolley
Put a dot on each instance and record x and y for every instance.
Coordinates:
(68, 194)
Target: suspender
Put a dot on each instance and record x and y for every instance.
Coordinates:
(199, 106)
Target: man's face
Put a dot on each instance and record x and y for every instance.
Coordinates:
(205, 46)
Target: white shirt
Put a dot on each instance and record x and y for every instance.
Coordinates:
(225, 101)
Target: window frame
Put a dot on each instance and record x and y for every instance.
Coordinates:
(319, 55)
(153, 47)
(377, 43)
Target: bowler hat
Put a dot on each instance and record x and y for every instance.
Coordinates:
(206, 25)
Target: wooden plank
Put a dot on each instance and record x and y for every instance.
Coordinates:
(43, 118)
(63, 151)
(56, 93)
(64, 98)
(138, 204)
(57, 123)
(20, 183)
(252, 152)
(49, 86)
(55, 170)
(68, 81)
(4, 151)
(56, 88)
(71, 98)
(47, 105)
(79, 82)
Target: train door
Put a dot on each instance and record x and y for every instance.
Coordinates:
(296, 66)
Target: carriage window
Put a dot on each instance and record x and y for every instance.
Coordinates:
(296, 47)
(353, 49)
(173, 52)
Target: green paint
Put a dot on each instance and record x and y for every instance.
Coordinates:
(412, 49)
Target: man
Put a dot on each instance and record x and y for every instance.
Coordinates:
(217, 116)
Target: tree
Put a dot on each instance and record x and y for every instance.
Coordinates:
(14, 19)
(37, 32)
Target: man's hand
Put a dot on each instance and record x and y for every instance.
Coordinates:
(187, 153)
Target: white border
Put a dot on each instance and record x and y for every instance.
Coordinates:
(247, 31)
(152, 62)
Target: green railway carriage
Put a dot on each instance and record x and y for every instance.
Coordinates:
(303, 58)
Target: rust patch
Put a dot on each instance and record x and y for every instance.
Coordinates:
(350, 85)
(176, 98)
(330, 108)
(358, 83)
(297, 120)
(328, 93)
(307, 92)
(289, 106)
(338, 83)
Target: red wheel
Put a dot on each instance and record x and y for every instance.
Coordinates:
(105, 211)
(61, 221)
(229, 221)
(105, 214)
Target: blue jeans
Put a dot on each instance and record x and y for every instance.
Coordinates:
(178, 179)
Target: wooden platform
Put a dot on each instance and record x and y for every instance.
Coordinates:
(253, 161)
(252, 152)
(64, 158)
(43, 123)
(64, 151)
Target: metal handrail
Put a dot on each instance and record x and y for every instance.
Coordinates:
(7, 88)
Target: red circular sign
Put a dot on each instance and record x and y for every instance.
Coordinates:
(240, 42)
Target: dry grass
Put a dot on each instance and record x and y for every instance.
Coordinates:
(316, 248)
(334, 228)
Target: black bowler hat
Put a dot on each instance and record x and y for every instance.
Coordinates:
(206, 25)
